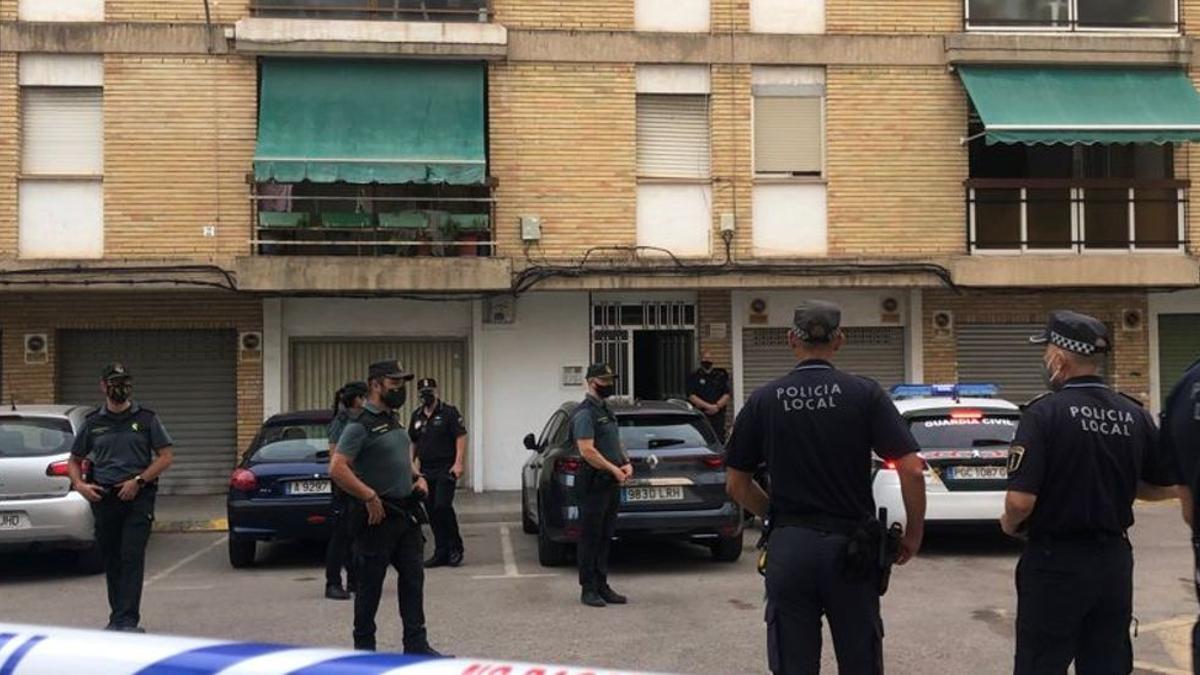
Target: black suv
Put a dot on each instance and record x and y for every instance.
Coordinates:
(677, 489)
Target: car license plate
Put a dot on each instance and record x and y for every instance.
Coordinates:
(13, 520)
(308, 487)
(671, 493)
(978, 473)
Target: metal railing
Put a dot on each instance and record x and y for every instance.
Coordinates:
(1073, 15)
(1075, 216)
(380, 10)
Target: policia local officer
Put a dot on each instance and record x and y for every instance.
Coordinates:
(595, 432)
(708, 389)
(338, 554)
(373, 463)
(1181, 441)
(129, 450)
(1080, 457)
(816, 428)
(437, 430)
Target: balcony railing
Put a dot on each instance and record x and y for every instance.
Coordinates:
(1075, 216)
(1073, 15)
(379, 10)
(337, 225)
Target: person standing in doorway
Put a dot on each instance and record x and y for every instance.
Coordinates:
(709, 390)
(129, 449)
(349, 399)
(440, 437)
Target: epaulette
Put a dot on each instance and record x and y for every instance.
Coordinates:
(146, 411)
(1035, 399)
(93, 411)
(1132, 398)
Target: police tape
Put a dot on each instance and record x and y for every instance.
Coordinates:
(40, 650)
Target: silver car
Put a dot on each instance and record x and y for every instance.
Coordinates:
(38, 508)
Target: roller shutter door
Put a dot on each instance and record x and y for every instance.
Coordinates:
(1001, 354)
(188, 377)
(877, 353)
(1178, 348)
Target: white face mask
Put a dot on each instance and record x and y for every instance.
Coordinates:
(1050, 373)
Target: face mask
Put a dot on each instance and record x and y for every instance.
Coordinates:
(428, 398)
(119, 393)
(605, 390)
(1049, 375)
(394, 398)
(707, 365)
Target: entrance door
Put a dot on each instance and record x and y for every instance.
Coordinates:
(1178, 348)
(650, 345)
(662, 360)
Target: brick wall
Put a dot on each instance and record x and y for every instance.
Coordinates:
(8, 10)
(9, 155)
(893, 16)
(1189, 16)
(50, 312)
(179, 138)
(553, 14)
(730, 15)
(895, 165)
(732, 161)
(1130, 364)
(177, 11)
(563, 148)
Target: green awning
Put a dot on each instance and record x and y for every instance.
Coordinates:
(1084, 105)
(378, 121)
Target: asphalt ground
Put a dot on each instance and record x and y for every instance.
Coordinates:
(949, 611)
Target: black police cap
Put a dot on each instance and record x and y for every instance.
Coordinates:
(115, 371)
(391, 369)
(426, 384)
(355, 388)
(600, 370)
(1074, 332)
(816, 320)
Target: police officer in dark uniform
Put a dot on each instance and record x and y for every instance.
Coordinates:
(373, 463)
(708, 389)
(338, 554)
(595, 432)
(1081, 455)
(129, 449)
(1181, 441)
(438, 431)
(816, 428)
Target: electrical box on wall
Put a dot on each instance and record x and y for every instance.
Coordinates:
(501, 309)
(572, 376)
(728, 222)
(250, 345)
(531, 228)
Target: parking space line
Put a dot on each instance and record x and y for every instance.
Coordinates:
(174, 568)
(510, 560)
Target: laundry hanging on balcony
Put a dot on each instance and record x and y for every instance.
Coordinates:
(1083, 105)
(377, 121)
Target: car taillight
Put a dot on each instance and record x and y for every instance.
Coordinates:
(58, 469)
(714, 462)
(243, 480)
(966, 414)
(568, 465)
(889, 464)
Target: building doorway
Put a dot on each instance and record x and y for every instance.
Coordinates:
(650, 345)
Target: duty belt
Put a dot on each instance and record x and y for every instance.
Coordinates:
(817, 521)
(1078, 537)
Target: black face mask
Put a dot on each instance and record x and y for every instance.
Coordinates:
(707, 365)
(427, 398)
(394, 398)
(119, 393)
(605, 390)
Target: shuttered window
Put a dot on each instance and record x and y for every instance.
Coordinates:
(63, 131)
(672, 136)
(788, 135)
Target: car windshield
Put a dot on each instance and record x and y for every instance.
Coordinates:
(34, 436)
(961, 431)
(299, 442)
(651, 432)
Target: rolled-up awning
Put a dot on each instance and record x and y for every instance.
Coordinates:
(1083, 105)
(378, 121)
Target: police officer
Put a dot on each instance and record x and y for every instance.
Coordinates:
(1181, 441)
(816, 428)
(595, 433)
(338, 554)
(438, 431)
(708, 389)
(129, 449)
(372, 462)
(1073, 473)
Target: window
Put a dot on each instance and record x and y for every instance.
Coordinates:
(34, 437)
(787, 16)
(672, 136)
(651, 432)
(61, 210)
(60, 10)
(299, 442)
(671, 16)
(1073, 14)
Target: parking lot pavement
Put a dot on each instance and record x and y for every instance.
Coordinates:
(951, 610)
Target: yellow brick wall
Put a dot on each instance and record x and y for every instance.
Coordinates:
(179, 138)
(564, 14)
(893, 16)
(1130, 362)
(1189, 16)
(22, 313)
(177, 11)
(563, 148)
(9, 155)
(8, 10)
(729, 15)
(732, 162)
(895, 165)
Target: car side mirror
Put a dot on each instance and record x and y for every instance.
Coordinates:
(531, 443)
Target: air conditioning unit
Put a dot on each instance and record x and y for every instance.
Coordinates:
(250, 346)
(500, 310)
(37, 348)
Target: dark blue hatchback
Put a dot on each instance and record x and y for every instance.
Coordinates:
(281, 488)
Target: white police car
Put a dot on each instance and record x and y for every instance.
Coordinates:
(964, 432)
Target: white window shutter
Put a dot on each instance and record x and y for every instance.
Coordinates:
(673, 136)
(788, 135)
(62, 131)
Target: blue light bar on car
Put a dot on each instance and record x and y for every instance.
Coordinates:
(976, 390)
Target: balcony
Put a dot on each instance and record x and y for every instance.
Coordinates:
(340, 219)
(375, 10)
(1028, 215)
(1073, 15)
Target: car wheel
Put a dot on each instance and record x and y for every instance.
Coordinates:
(728, 549)
(241, 551)
(527, 523)
(550, 552)
(89, 560)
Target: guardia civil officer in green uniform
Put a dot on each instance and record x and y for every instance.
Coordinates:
(349, 398)
(1081, 455)
(595, 432)
(129, 449)
(373, 463)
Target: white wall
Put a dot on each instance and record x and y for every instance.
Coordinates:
(522, 377)
(789, 219)
(60, 219)
(787, 16)
(677, 16)
(672, 79)
(61, 70)
(675, 217)
(1180, 302)
(60, 10)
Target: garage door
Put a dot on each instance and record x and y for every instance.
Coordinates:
(189, 377)
(1178, 348)
(1001, 354)
(877, 353)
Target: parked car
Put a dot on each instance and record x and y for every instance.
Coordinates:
(677, 489)
(38, 508)
(281, 489)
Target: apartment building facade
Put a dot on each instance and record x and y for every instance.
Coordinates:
(248, 200)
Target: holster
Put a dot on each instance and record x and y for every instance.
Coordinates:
(763, 540)
(861, 556)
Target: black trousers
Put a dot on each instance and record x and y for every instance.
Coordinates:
(339, 553)
(442, 519)
(1075, 603)
(396, 542)
(805, 581)
(598, 506)
(122, 531)
(718, 424)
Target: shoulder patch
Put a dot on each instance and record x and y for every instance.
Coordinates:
(1035, 399)
(1015, 454)
(1132, 398)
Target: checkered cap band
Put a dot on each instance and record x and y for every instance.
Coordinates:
(1071, 345)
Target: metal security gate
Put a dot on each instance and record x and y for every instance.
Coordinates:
(188, 377)
(1178, 348)
(877, 353)
(1001, 354)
